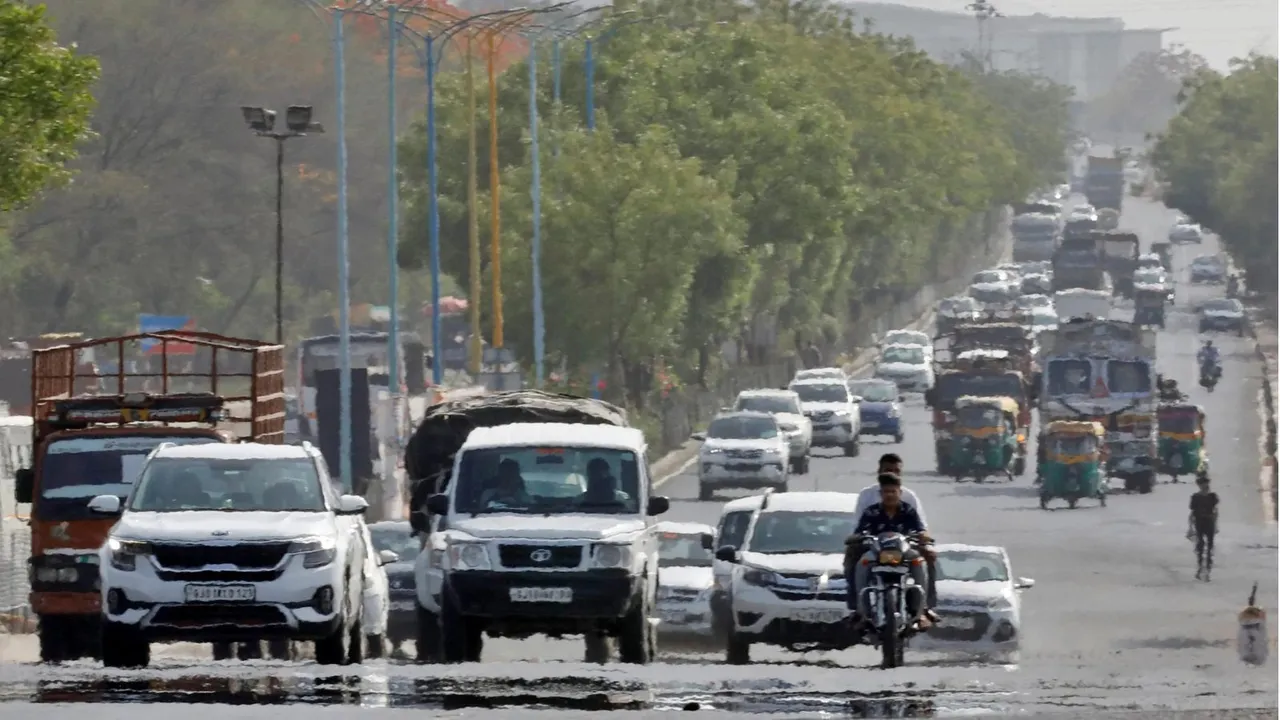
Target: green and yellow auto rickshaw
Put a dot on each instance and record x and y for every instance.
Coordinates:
(984, 437)
(1181, 447)
(1074, 461)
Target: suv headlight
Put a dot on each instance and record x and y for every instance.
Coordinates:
(610, 555)
(843, 413)
(124, 556)
(762, 578)
(999, 603)
(468, 556)
(316, 551)
(712, 450)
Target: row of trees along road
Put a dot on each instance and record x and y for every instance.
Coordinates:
(764, 160)
(1218, 162)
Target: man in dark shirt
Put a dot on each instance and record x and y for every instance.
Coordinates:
(889, 515)
(1202, 524)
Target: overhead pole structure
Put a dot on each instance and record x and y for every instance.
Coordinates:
(559, 34)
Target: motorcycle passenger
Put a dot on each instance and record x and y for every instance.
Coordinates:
(891, 514)
(1202, 524)
(1208, 356)
(891, 463)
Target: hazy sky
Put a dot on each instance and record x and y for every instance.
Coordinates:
(1216, 29)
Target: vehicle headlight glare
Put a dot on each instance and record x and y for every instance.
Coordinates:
(763, 578)
(124, 553)
(469, 556)
(610, 555)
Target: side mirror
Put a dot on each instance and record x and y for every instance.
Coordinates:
(857, 399)
(902, 398)
(438, 504)
(24, 481)
(708, 541)
(386, 557)
(105, 504)
(352, 505)
(727, 553)
(1024, 584)
(699, 436)
(657, 505)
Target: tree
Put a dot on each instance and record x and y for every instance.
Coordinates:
(1217, 160)
(44, 104)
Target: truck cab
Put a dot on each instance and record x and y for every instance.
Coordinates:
(87, 445)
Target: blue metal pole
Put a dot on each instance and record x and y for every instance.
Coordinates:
(536, 192)
(555, 93)
(344, 289)
(433, 223)
(590, 62)
(393, 210)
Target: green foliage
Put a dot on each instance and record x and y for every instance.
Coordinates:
(44, 104)
(832, 167)
(1217, 160)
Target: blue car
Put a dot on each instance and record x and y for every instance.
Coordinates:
(878, 404)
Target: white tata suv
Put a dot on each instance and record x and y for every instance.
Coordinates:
(785, 406)
(787, 586)
(830, 406)
(232, 543)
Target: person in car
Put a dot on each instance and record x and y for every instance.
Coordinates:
(602, 486)
(508, 490)
(889, 515)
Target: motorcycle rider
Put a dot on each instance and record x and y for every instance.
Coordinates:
(1208, 357)
(891, 514)
(891, 463)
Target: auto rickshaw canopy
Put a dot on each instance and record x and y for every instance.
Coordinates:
(1075, 427)
(1003, 404)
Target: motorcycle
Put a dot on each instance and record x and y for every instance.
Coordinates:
(1210, 374)
(886, 596)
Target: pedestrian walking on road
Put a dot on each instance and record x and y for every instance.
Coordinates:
(1202, 525)
(812, 356)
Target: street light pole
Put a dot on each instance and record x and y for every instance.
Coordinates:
(393, 214)
(535, 191)
(344, 282)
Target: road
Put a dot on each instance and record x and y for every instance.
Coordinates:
(1115, 622)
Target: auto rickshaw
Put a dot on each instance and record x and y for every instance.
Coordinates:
(985, 439)
(1073, 462)
(1148, 307)
(1182, 447)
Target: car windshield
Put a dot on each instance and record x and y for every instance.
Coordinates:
(1034, 301)
(978, 417)
(1207, 261)
(1221, 305)
(824, 392)
(875, 391)
(79, 468)
(1151, 275)
(768, 404)
(743, 427)
(1179, 422)
(988, 295)
(971, 566)
(1073, 444)
(780, 532)
(229, 485)
(1070, 377)
(908, 355)
(546, 480)
(682, 550)
(820, 373)
(902, 337)
(1128, 377)
(988, 276)
(397, 538)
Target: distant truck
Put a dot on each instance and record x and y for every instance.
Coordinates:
(90, 435)
(1077, 263)
(1104, 182)
(1035, 236)
(1120, 252)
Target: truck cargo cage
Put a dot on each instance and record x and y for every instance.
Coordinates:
(176, 376)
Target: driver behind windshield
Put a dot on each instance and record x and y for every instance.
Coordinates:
(508, 488)
(890, 515)
(602, 486)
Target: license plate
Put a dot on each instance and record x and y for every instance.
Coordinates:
(743, 467)
(402, 605)
(958, 623)
(870, 424)
(221, 593)
(541, 595)
(818, 616)
(672, 616)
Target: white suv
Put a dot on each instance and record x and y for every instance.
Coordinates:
(745, 450)
(546, 528)
(784, 405)
(232, 543)
(787, 586)
(835, 416)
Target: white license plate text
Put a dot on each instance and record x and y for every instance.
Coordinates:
(220, 593)
(541, 595)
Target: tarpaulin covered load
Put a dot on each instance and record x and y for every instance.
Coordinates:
(445, 426)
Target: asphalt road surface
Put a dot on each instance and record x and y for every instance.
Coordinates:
(1116, 621)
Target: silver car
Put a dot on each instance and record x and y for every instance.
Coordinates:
(685, 581)
(744, 450)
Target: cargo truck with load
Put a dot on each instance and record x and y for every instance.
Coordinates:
(1104, 182)
(91, 433)
(1078, 263)
(1119, 259)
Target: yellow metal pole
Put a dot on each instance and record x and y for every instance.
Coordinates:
(473, 227)
(495, 189)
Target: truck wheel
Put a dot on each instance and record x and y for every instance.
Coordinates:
(249, 651)
(53, 640)
(280, 650)
(634, 642)
(705, 493)
(375, 646)
(738, 650)
(597, 649)
(428, 641)
(124, 647)
(223, 651)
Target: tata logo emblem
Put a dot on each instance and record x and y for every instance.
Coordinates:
(818, 583)
(540, 555)
(60, 532)
(221, 533)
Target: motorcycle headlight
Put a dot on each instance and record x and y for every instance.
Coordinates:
(610, 555)
(890, 557)
(468, 556)
(124, 553)
(761, 578)
(316, 551)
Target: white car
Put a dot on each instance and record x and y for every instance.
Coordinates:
(784, 405)
(979, 602)
(396, 538)
(376, 603)
(1186, 232)
(1084, 211)
(731, 533)
(1150, 260)
(1030, 302)
(746, 450)
(1040, 319)
(1153, 279)
(825, 373)
(908, 366)
(835, 416)
(546, 528)
(685, 580)
(787, 586)
(993, 288)
(232, 543)
(908, 337)
(1222, 315)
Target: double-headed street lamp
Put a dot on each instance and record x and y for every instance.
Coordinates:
(297, 123)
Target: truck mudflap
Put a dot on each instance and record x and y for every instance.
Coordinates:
(66, 603)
